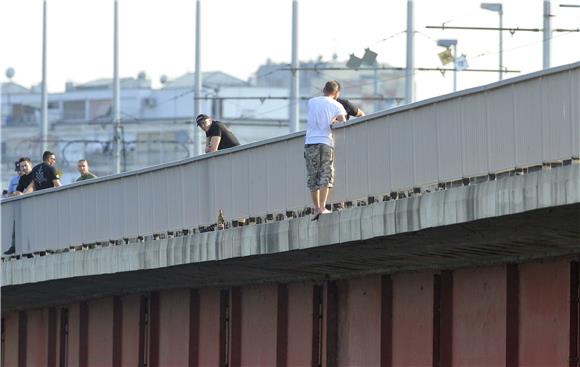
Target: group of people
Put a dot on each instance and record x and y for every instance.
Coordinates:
(323, 112)
(43, 176)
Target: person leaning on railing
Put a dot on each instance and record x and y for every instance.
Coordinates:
(83, 167)
(44, 175)
(218, 135)
(323, 111)
(14, 180)
(350, 108)
(26, 176)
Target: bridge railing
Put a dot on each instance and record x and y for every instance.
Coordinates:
(519, 122)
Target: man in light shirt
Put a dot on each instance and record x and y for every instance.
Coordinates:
(323, 111)
(14, 180)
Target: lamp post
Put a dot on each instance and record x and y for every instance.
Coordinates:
(44, 93)
(547, 35)
(197, 138)
(447, 43)
(410, 64)
(294, 113)
(497, 7)
(9, 74)
(116, 91)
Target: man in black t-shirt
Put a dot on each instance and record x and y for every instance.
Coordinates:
(26, 177)
(44, 175)
(218, 135)
(351, 109)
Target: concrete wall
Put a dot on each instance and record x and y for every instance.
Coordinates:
(474, 219)
(513, 315)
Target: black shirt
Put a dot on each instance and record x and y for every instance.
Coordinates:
(351, 109)
(228, 139)
(42, 175)
(24, 182)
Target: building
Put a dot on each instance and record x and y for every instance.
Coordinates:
(157, 123)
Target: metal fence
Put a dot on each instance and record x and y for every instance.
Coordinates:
(519, 122)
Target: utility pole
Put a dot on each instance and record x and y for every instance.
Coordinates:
(116, 93)
(294, 113)
(376, 85)
(44, 95)
(455, 67)
(500, 43)
(196, 141)
(410, 63)
(547, 34)
(497, 7)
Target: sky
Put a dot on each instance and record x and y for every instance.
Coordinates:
(158, 37)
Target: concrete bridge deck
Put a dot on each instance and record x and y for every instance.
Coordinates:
(513, 124)
(511, 219)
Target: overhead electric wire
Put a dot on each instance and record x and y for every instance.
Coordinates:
(322, 69)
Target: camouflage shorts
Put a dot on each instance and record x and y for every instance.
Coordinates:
(319, 166)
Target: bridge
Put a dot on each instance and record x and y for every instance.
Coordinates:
(465, 202)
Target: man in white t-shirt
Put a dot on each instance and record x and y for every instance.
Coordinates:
(323, 111)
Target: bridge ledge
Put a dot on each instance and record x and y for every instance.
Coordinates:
(382, 220)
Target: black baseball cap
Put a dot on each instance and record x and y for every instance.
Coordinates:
(201, 118)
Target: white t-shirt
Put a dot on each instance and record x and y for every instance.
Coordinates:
(321, 111)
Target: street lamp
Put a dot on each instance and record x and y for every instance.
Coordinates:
(9, 117)
(497, 7)
(447, 43)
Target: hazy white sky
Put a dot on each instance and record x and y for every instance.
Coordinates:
(157, 36)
